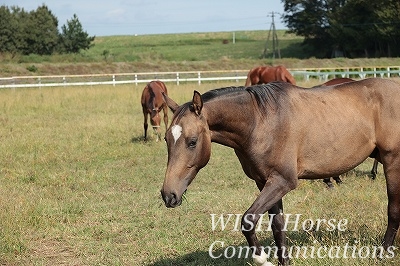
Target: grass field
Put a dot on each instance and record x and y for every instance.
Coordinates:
(79, 186)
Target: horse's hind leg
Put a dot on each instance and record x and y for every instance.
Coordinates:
(337, 180)
(145, 123)
(374, 170)
(392, 174)
(328, 182)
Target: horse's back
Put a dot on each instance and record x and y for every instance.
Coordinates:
(152, 93)
(266, 74)
(336, 81)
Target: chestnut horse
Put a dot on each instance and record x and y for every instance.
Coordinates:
(282, 133)
(265, 74)
(374, 170)
(152, 103)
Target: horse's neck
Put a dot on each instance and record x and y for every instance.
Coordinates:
(230, 123)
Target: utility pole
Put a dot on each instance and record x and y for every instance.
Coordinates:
(275, 43)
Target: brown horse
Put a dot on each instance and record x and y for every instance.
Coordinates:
(282, 133)
(374, 170)
(265, 74)
(152, 103)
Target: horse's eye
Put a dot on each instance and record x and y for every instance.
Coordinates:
(192, 143)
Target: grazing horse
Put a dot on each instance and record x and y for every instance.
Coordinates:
(152, 104)
(265, 74)
(282, 133)
(374, 169)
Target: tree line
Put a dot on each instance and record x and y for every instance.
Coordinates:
(36, 32)
(351, 28)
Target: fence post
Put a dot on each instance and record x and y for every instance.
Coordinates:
(136, 80)
(40, 83)
(199, 77)
(113, 79)
(64, 81)
(177, 78)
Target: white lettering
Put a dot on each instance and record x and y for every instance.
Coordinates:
(220, 220)
(296, 222)
(210, 253)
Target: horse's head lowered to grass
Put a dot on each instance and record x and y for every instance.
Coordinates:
(152, 104)
(189, 148)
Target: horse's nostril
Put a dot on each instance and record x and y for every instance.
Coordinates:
(170, 199)
(173, 197)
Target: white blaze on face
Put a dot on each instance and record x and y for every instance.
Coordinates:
(176, 132)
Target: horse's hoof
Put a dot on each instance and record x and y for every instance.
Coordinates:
(261, 260)
(329, 184)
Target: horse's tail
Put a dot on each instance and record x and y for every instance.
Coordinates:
(253, 77)
(248, 79)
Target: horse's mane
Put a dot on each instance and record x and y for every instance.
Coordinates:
(266, 95)
(219, 92)
(269, 95)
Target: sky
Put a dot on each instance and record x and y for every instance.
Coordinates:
(124, 17)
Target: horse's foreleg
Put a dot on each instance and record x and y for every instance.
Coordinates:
(374, 170)
(165, 111)
(269, 199)
(277, 229)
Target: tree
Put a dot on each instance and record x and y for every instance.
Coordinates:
(73, 38)
(8, 27)
(41, 32)
(310, 18)
(389, 28)
(356, 27)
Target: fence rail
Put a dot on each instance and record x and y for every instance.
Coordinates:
(321, 74)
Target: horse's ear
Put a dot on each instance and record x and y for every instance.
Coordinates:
(197, 102)
(170, 103)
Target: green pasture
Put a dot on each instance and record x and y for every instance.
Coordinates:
(191, 46)
(178, 52)
(79, 186)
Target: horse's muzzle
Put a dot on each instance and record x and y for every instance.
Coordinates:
(170, 199)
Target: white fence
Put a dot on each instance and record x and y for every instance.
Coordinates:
(322, 74)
